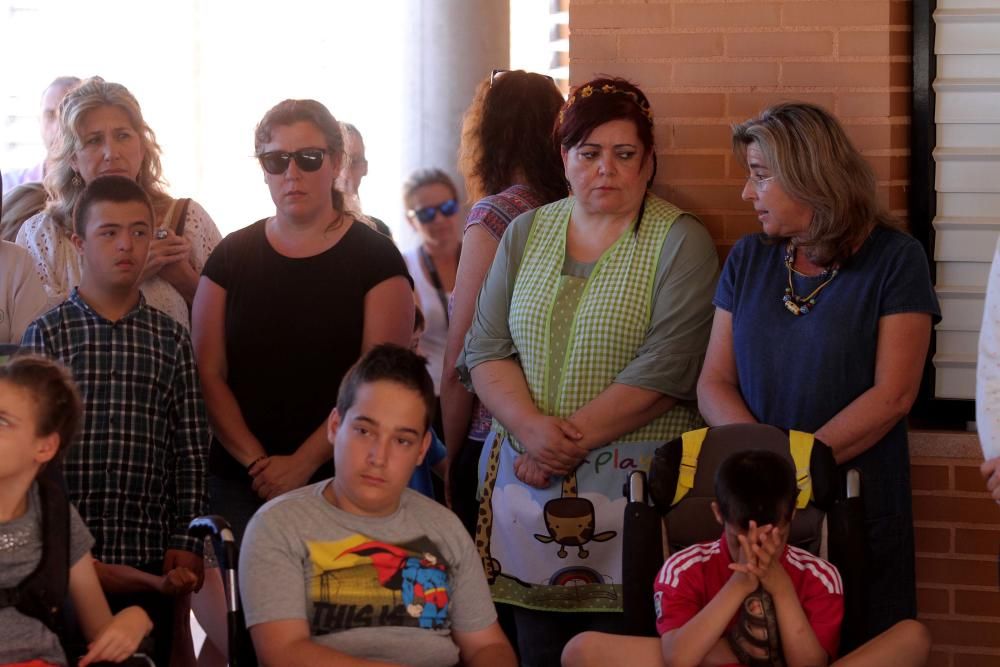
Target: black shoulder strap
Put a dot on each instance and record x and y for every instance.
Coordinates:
(181, 216)
(43, 592)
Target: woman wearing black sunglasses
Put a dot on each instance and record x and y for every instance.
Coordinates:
(431, 201)
(284, 308)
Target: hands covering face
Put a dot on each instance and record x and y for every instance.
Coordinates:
(760, 555)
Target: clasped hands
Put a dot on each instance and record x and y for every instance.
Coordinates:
(553, 448)
(760, 559)
(275, 475)
(760, 579)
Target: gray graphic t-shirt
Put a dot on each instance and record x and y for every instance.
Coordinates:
(390, 588)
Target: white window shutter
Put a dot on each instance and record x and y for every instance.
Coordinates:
(967, 180)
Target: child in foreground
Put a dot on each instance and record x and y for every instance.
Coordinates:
(39, 416)
(749, 598)
(359, 569)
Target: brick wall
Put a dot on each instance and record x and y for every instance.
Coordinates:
(707, 64)
(958, 535)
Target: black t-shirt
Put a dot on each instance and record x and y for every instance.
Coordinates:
(293, 327)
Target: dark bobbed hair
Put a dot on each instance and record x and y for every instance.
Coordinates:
(52, 389)
(391, 363)
(119, 189)
(809, 154)
(755, 485)
(508, 128)
(289, 112)
(589, 106)
(424, 177)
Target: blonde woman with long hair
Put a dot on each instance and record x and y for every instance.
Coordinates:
(102, 131)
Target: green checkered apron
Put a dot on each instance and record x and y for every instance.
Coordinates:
(560, 548)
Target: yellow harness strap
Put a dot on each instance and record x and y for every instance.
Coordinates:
(801, 445)
(691, 447)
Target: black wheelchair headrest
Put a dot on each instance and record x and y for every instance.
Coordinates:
(719, 442)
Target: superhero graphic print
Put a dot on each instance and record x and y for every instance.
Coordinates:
(360, 582)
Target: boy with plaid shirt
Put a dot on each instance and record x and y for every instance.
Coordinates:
(137, 473)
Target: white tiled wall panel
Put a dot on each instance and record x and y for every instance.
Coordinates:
(965, 239)
(954, 381)
(968, 100)
(966, 30)
(975, 67)
(968, 4)
(968, 169)
(961, 307)
(967, 179)
(950, 343)
(973, 204)
(974, 135)
(970, 274)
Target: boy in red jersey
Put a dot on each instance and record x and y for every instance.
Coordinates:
(749, 598)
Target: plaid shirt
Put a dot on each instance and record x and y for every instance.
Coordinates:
(137, 471)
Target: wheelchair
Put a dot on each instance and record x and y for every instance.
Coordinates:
(217, 529)
(676, 497)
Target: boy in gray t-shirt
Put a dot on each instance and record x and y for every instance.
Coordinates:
(359, 565)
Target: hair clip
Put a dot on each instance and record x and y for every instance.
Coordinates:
(608, 89)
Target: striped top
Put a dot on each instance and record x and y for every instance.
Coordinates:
(690, 578)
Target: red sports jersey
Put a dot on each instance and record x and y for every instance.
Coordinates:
(693, 576)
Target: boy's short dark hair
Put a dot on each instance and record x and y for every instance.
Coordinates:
(119, 189)
(394, 364)
(53, 391)
(755, 485)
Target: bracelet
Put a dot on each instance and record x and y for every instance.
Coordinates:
(255, 462)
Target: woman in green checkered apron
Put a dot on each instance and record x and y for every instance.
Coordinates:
(589, 334)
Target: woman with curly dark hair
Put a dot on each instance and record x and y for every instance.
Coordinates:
(511, 165)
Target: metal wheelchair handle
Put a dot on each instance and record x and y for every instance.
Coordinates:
(216, 527)
(211, 525)
(853, 483)
(636, 490)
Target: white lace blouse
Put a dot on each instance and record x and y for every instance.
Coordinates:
(59, 266)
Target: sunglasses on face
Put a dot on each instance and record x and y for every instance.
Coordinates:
(427, 214)
(307, 159)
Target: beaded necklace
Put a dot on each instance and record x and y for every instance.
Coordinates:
(801, 305)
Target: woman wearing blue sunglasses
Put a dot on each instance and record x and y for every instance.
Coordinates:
(431, 201)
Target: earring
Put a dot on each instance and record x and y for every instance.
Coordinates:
(77, 181)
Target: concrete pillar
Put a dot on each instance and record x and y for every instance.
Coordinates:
(451, 45)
